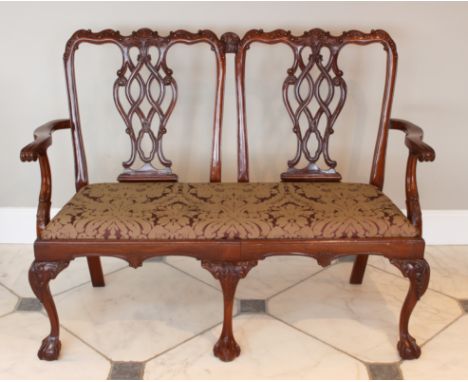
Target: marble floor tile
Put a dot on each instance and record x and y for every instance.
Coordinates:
(8, 301)
(141, 312)
(361, 319)
(269, 350)
(15, 260)
(269, 277)
(449, 269)
(21, 335)
(443, 357)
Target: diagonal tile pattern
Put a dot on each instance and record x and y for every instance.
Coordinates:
(270, 350)
(296, 321)
(21, 335)
(15, 260)
(269, 277)
(360, 319)
(141, 312)
(444, 357)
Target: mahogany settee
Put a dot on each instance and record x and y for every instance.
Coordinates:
(229, 227)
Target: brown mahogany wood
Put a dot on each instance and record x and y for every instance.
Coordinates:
(230, 260)
(308, 51)
(418, 150)
(418, 271)
(40, 274)
(130, 77)
(228, 274)
(37, 150)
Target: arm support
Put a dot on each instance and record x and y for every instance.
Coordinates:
(418, 150)
(414, 140)
(38, 150)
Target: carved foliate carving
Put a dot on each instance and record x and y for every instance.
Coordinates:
(41, 272)
(417, 271)
(231, 42)
(223, 270)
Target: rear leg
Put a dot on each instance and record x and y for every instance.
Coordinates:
(95, 271)
(359, 269)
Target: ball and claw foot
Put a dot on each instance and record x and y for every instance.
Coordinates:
(408, 348)
(50, 349)
(226, 349)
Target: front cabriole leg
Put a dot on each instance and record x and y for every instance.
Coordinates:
(229, 274)
(40, 273)
(418, 272)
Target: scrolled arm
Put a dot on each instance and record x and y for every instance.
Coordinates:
(414, 140)
(38, 150)
(418, 150)
(42, 139)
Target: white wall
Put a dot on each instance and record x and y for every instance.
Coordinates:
(432, 91)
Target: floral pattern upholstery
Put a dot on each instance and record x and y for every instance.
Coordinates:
(184, 211)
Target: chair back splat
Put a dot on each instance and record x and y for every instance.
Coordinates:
(315, 69)
(139, 124)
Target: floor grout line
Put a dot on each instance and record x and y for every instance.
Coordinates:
(7, 314)
(296, 284)
(404, 278)
(10, 290)
(314, 337)
(184, 341)
(423, 343)
(72, 333)
(88, 282)
(193, 277)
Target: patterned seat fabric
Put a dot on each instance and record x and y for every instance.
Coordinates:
(184, 211)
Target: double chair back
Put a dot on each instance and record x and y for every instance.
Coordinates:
(314, 93)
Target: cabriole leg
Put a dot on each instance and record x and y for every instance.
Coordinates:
(418, 272)
(40, 273)
(359, 268)
(229, 274)
(95, 271)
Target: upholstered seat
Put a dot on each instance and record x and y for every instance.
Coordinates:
(156, 211)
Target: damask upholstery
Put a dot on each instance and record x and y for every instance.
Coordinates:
(156, 211)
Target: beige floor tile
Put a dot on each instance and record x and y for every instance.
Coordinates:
(8, 301)
(449, 269)
(444, 357)
(361, 319)
(15, 260)
(21, 336)
(269, 277)
(270, 350)
(140, 312)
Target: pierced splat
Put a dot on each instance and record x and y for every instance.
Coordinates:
(314, 93)
(131, 77)
(145, 94)
(316, 107)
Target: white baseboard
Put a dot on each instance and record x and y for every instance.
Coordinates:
(449, 227)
